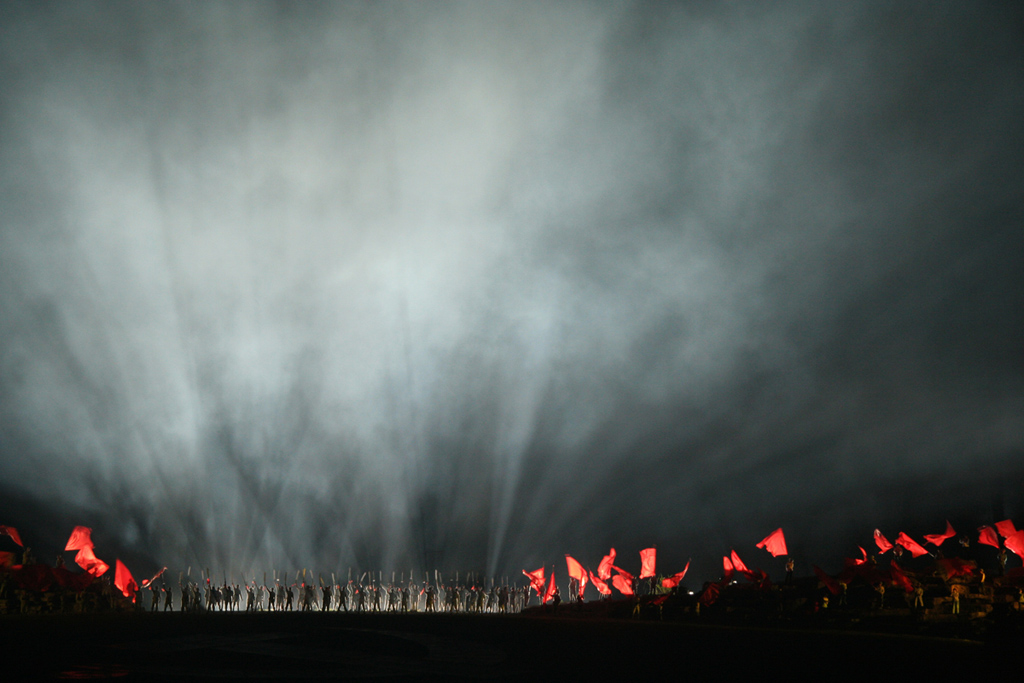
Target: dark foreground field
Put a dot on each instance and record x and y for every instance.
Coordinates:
(295, 646)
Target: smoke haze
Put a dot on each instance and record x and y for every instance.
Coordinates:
(470, 285)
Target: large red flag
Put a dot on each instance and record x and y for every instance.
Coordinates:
(550, 592)
(623, 585)
(622, 572)
(953, 566)
(775, 543)
(600, 585)
(81, 537)
(12, 532)
(124, 581)
(536, 580)
(1015, 542)
(576, 571)
(910, 544)
(709, 595)
(882, 542)
(988, 536)
(90, 563)
(647, 558)
(604, 570)
(900, 579)
(938, 539)
(1006, 528)
(830, 583)
(737, 563)
(673, 581)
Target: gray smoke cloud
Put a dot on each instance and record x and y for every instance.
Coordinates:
(471, 285)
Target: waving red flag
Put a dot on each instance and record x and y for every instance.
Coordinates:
(727, 568)
(536, 578)
(1015, 542)
(621, 584)
(90, 563)
(910, 544)
(604, 570)
(577, 572)
(988, 536)
(882, 542)
(81, 537)
(900, 579)
(1006, 528)
(775, 543)
(146, 582)
(673, 581)
(550, 592)
(737, 563)
(830, 583)
(938, 539)
(124, 581)
(709, 595)
(647, 558)
(953, 566)
(600, 585)
(864, 557)
(622, 572)
(12, 532)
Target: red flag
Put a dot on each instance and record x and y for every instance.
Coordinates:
(910, 544)
(536, 580)
(709, 595)
(938, 539)
(728, 568)
(673, 581)
(124, 581)
(33, 577)
(831, 584)
(647, 558)
(81, 537)
(1006, 528)
(987, 535)
(622, 584)
(600, 585)
(146, 582)
(1015, 543)
(75, 582)
(90, 563)
(853, 562)
(576, 571)
(622, 572)
(953, 566)
(737, 563)
(550, 592)
(604, 570)
(775, 543)
(12, 532)
(900, 579)
(882, 542)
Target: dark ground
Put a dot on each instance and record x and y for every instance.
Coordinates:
(296, 646)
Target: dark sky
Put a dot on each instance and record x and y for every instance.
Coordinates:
(471, 285)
